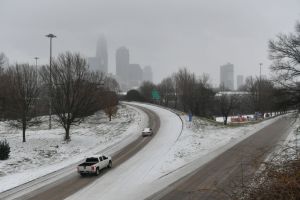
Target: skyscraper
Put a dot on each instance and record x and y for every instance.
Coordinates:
(147, 74)
(101, 54)
(100, 62)
(122, 63)
(135, 75)
(226, 76)
(239, 81)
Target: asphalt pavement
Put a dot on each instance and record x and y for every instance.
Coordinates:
(73, 182)
(219, 177)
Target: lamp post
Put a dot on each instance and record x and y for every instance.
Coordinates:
(36, 70)
(36, 59)
(50, 36)
(259, 96)
(260, 64)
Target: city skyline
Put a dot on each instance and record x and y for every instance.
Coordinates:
(100, 61)
(206, 35)
(227, 76)
(130, 75)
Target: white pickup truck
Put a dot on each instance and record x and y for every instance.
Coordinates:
(94, 164)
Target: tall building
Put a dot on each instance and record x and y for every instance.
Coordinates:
(135, 75)
(227, 76)
(129, 75)
(122, 63)
(100, 61)
(147, 74)
(239, 81)
(102, 55)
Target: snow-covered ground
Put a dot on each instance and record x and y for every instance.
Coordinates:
(293, 138)
(169, 156)
(45, 151)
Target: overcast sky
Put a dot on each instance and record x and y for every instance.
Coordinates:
(166, 34)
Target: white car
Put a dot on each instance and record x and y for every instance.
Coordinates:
(94, 164)
(147, 132)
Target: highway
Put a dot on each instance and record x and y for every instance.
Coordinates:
(67, 185)
(218, 177)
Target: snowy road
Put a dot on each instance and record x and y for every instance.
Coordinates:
(230, 169)
(178, 148)
(135, 175)
(145, 173)
(63, 183)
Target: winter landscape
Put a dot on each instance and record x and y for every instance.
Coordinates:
(149, 100)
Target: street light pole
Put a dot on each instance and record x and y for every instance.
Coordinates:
(36, 58)
(259, 96)
(260, 64)
(51, 36)
(36, 70)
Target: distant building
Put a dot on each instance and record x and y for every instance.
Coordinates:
(128, 75)
(100, 61)
(93, 64)
(227, 76)
(147, 74)
(122, 63)
(239, 81)
(102, 55)
(135, 75)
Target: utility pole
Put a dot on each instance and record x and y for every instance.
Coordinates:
(36, 59)
(259, 95)
(36, 70)
(51, 36)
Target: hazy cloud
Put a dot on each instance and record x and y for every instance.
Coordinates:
(166, 34)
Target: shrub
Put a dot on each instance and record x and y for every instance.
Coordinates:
(4, 150)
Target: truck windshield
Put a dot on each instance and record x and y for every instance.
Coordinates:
(91, 160)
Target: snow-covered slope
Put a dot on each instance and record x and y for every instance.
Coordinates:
(45, 151)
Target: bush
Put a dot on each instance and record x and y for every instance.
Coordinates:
(4, 150)
(134, 95)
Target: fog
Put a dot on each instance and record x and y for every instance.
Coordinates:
(165, 34)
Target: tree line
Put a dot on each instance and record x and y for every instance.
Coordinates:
(68, 90)
(194, 94)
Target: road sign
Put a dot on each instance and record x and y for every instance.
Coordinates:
(155, 95)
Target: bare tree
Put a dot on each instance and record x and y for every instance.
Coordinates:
(110, 84)
(146, 90)
(23, 95)
(204, 97)
(285, 53)
(75, 91)
(166, 90)
(186, 82)
(3, 61)
(226, 103)
(110, 104)
(261, 95)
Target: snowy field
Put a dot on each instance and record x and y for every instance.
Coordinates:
(45, 151)
(169, 156)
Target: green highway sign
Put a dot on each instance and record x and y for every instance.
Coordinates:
(155, 95)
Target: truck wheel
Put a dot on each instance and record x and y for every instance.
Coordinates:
(97, 171)
(109, 164)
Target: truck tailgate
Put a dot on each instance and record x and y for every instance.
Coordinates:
(85, 169)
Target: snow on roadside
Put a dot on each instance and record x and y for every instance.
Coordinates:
(169, 156)
(201, 137)
(45, 151)
(293, 139)
(288, 148)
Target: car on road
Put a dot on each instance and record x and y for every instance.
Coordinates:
(147, 132)
(94, 164)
